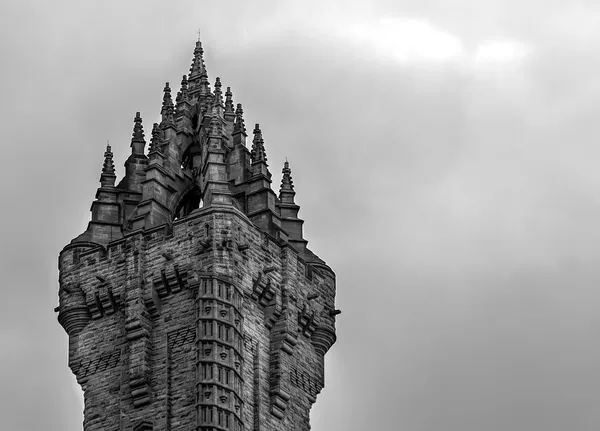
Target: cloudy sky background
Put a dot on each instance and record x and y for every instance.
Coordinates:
(445, 155)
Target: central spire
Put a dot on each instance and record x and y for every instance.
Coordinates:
(199, 86)
(198, 68)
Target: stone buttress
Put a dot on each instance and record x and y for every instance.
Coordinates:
(192, 301)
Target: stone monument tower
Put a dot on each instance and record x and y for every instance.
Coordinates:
(192, 301)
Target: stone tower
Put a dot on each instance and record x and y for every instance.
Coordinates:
(192, 301)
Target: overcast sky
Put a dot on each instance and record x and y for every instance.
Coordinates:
(445, 156)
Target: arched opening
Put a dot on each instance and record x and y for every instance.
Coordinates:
(188, 203)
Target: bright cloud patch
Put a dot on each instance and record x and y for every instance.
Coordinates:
(408, 39)
(503, 51)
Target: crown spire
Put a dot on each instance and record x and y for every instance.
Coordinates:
(258, 146)
(107, 178)
(137, 141)
(198, 68)
(199, 86)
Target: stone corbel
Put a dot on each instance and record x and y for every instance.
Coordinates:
(171, 281)
(306, 321)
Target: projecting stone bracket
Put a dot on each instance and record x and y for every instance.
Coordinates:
(265, 294)
(170, 281)
(262, 291)
(306, 321)
(134, 330)
(152, 302)
(288, 343)
(102, 301)
(140, 391)
(283, 340)
(279, 402)
(226, 242)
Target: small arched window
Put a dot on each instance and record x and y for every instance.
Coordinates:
(190, 201)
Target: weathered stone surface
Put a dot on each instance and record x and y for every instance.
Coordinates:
(187, 303)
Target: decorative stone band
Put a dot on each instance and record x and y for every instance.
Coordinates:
(143, 425)
(85, 368)
(306, 383)
(181, 337)
(220, 349)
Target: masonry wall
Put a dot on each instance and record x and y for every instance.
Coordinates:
(206, 324)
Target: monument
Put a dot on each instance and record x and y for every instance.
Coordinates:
(192, 300)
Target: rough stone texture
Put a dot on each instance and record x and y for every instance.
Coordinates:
(192, 301)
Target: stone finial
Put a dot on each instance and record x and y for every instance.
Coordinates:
(107, 178)
(287, 184)
(229, 101)
(137, 141)
(258, 146)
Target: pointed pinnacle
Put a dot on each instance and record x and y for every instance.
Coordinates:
(167, 110)
(138, 129)
(239, 126)
(107, 178)
(167, 100)
(287, 184)
(218, 100)
(184, 88)
(228, 101)
(258, 153)
(154, 145)
(108, 167)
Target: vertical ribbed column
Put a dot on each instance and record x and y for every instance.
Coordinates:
(219, 356)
